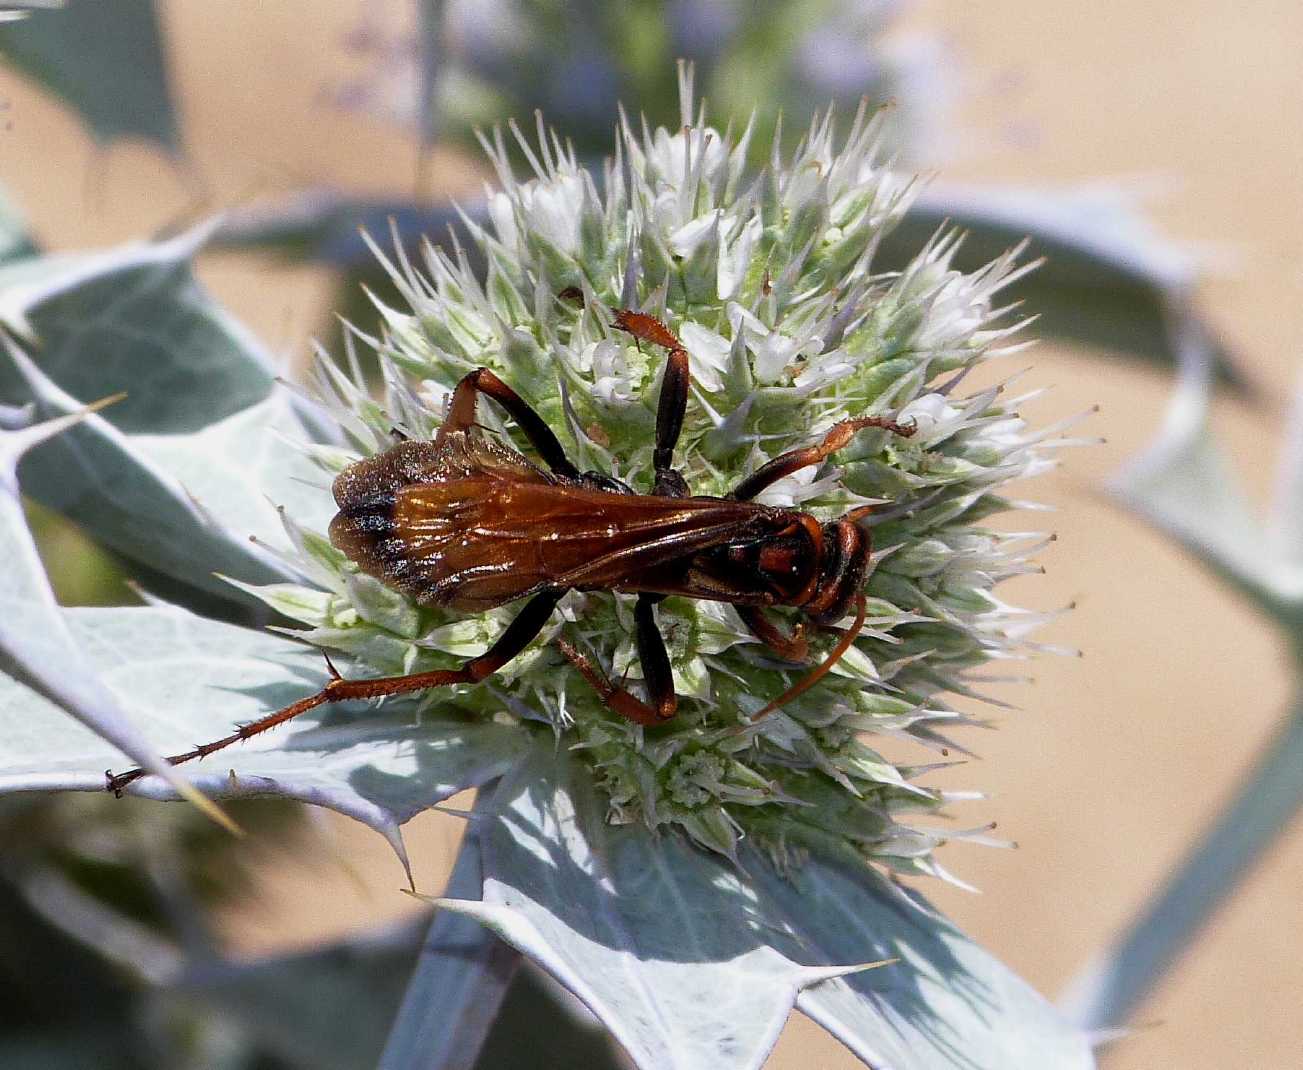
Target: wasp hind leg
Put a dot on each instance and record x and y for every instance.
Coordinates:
(520, 632)
(656, 671)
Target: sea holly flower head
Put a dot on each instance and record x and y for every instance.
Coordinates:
(769, 280)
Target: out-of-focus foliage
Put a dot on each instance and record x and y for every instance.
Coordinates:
(473, 63)
(462, 64)
(1185, 486)
(105, 59)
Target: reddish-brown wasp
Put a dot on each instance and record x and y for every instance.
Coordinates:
(465, 522)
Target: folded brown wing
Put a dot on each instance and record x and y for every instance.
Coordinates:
(474, 544)
(477, 532)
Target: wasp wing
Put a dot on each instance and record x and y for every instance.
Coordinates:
(481, 526)
(475, 544)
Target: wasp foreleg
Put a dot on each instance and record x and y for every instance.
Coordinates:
(789, 647)
(785, 464)
(673, 403)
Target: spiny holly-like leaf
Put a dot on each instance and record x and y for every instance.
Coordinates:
(36, 646)
(1102, 997)
(134, 319)
(245, 469)
(105, 59)
(1184, 486)
(657, 939)
(185, 680)
(947, 1003)
(692, 962)
(193, 465)
(1285, 522)
(470, 1004)
(126, 497)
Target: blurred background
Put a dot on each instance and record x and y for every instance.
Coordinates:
(1114, 760)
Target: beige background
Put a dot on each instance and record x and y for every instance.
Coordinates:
(1117, 758)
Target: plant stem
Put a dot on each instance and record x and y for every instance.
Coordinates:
(460, 978)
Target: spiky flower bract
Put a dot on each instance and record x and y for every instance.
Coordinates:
(769, 280)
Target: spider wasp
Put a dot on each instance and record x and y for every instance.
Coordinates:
(465, 522)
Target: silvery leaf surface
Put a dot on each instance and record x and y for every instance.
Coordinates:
(1285, 522)
(947, 1003)
(183, 679)
(1111, 985)
(693, 962)
(459, 981)
(182, 471)
(246, 467)
(41, 657)
(1183, 485)
(134, 319)
(118, 85)
(97, 477)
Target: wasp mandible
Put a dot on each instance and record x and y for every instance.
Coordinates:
(467, 523)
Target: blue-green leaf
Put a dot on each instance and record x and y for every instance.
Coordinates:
(692, 962)
(134, 319)
(459, 982)
(947, 1004)
(103, 58)
(180, 474)
(184, 680)
(39, 654)
(128, 500)
(1183, 485)
(1108, 989)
